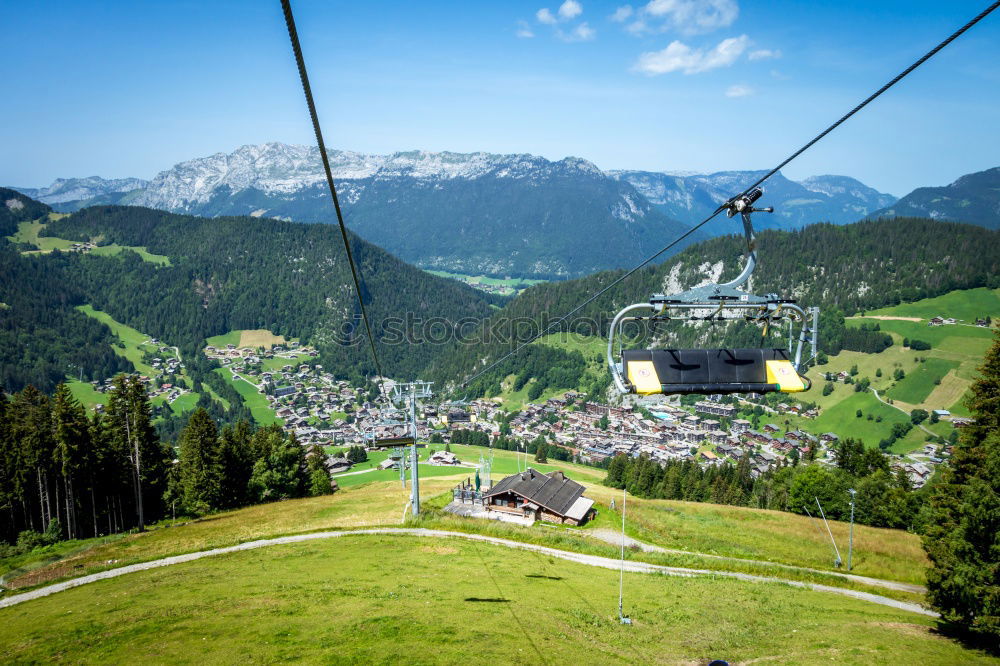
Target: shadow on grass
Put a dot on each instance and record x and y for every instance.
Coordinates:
(490, 600)
(541, 576)
(969, 640)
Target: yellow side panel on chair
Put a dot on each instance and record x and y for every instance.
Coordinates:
(783, 374)
(642, 375)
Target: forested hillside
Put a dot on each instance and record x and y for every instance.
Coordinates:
(842, 269)
(42, 337)
(247, 273)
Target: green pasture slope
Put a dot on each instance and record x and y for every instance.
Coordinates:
(956, 351)
(28, 232)
(450, 601)
(920, 381)
(135, 344)
(230, 338)
(115, 249)
(253, 399)
(964, 304)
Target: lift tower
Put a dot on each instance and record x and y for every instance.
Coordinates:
(410, 393)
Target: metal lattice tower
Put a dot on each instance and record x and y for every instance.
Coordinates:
(409, 394)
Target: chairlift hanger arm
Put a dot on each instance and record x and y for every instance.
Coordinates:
(679, 371)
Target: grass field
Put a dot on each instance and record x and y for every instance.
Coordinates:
(134, 340)
(254, 400)
(247, 338)
(374, 504)
(696, 528)
(184, 403)
(230, 338)
(918, 384)
(964, 304)
(772, 536)
(450, 601)
(27, 232)
(260, 338)
(115, 249)
(86, 394)
(504, 464)
(135, 345)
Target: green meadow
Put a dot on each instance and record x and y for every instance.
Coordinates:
(388, 599)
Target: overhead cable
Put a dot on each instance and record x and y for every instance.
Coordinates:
(304, 76)
(927, 56)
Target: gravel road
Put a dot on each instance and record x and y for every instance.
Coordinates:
(615, 539)
(579, 558)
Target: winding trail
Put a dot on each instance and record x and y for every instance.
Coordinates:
(579, 558)
(615, 539)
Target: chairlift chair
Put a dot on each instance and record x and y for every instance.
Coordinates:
(717, 371)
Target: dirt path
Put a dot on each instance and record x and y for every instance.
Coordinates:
(579, 558)
(615, 538)
(887, 318)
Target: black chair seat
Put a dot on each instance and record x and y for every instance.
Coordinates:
(702, 370)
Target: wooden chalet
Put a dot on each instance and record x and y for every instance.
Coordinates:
(551, 497)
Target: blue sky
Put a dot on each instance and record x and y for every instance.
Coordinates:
(128, 89)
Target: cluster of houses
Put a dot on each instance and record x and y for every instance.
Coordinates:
(80, 247)
(982, 322)
(320, 409)
(163, 366)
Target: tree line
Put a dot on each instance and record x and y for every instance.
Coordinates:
(884, 498)
(69, 475)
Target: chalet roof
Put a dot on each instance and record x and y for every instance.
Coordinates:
(551, 491)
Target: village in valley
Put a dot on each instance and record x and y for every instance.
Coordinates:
(320, 409)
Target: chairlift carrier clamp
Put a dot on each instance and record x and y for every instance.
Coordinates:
(717, 371)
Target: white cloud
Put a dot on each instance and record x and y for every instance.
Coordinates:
(570, 10)
(581, 33)
(764, 54)
(693, 16)
(622, 14)
(545, 16)
(637, 27)
(681, 57)
(739, 90)
(524, 30)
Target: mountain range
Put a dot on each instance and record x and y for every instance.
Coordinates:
(692, 198)
(504, 215)
(73, 192)
(973, 198)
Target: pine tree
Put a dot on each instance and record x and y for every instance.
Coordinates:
(72, 439)
(541, 452)
(963, 537)
(200, 473)
(281, 472)
(319, 476)
(236, 464)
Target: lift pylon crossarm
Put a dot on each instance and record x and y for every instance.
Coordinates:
(711, 371)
